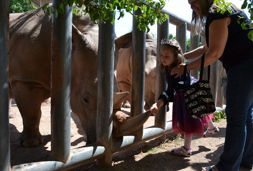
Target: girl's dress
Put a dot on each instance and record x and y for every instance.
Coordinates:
(182, 122)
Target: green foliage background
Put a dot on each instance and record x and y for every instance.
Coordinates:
(20, 6)
(146, 12)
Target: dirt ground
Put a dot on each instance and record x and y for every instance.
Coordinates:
(206, 151)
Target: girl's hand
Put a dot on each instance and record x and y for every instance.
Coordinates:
(154, 109)
(178, 71)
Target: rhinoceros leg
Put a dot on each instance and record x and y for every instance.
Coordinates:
(29, 98)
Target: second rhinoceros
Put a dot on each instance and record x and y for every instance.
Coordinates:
(124, 67)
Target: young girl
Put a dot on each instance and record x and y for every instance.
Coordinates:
(171, 56)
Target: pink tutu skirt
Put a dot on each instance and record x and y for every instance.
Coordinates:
(183, 123)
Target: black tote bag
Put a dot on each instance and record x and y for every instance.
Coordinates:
(198, 97)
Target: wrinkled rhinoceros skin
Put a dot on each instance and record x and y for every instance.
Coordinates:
(29, 71)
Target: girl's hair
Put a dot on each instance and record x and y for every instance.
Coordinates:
(177, 51)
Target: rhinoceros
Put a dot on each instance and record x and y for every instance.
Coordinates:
(124, 67)
(29, 74)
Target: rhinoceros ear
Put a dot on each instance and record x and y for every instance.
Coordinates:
(76, 34)
(124, 41)
(118, 98)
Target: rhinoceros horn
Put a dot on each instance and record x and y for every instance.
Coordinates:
(118, 98)
(131, 125)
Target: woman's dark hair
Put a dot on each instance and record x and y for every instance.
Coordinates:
(198, 21)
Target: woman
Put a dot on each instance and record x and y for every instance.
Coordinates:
(227, 41)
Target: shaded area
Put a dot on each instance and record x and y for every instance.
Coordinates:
(206, 152)
(21, 155)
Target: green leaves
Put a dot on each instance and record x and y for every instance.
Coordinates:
(218, 115)
(224, 7)
(149, 11)
(248, 4)
(101, 10)
(250, 35)
(20, 6)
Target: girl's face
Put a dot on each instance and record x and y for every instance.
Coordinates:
(167, 56)
(195, 6)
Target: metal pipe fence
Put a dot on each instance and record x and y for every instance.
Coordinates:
(162, 33)
(105, 89)
(4, 102)
(61, 79)
(138, 67)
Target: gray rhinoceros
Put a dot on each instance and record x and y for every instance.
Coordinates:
(124, 67)
(29, 74)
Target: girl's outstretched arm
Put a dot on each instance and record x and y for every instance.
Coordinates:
(157, 106)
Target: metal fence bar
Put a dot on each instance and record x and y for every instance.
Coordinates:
(138, 65)
(177, 20)
(105, 89)
(194, 44)
(216, 76)
(148, 133)
(181, 35)
(162, 33)
(4, 102)
(81, 157)
(61, 78)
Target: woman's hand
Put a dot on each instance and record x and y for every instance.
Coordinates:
(178, 70)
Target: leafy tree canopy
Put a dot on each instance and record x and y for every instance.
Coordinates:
(20, 6)
(146, 12)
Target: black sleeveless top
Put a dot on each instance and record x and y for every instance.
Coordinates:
(239, 47)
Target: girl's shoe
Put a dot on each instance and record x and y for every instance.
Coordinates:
(210, 132)
(182, 151)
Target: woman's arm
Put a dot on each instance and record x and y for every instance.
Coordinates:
(218, 35)
(195, 53)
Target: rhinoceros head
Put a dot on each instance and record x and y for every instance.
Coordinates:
(84, 85)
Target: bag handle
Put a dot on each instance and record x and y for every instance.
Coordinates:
(202, 69)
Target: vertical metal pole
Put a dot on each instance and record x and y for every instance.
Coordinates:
(162, 33)
(194, 45)
(61, 79)
(105, 89)
(181, 35)
(138, 65)
(4, 102)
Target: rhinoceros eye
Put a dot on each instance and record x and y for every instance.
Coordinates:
(86, 100)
